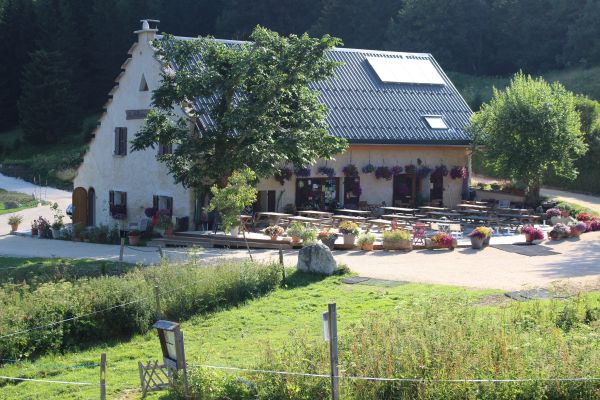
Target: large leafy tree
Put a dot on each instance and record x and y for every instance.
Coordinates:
(258, 112)
(528, 129)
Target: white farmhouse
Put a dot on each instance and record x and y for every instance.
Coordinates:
(397, 111)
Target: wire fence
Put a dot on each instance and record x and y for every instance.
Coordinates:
(14, 378)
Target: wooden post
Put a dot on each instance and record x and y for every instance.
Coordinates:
(333, 351)
(282, 266)
(160, 252)
(181, 363)
(103, 376)
(157, 301)
(122, 249)
(246, 241)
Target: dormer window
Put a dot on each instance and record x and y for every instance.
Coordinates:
(435, 122)
(143, 84)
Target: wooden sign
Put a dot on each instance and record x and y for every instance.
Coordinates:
(136, 114)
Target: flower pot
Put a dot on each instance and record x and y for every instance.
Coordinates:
(14, 227)
(405, 245)
(575, 233)
(349, 240)
(477, 242)
(134, 240)
(367, 247)
(486, 241)
(169, 231)
(528, 238)
(274, 237)
(234, 231)
(295, 239)
(55, 233)
(329, 243)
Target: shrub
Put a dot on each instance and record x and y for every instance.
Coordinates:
(396, 235)
(309, 236)
(9, 205)
(185, 291)
(367, 238)
(296, 229)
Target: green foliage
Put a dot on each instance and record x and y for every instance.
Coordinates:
(264, 112)
(528, 129)
(233, 198)
(366, 238)
(185, 291)
(47, 105)
(396, 235)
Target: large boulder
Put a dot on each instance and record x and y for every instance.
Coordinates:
(317, 259)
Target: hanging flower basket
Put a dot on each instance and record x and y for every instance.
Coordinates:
(284, 174)
(350, 170)
(368, 169)
(423, 172)
(383, 173)
(328, 171)
(396, 170)
(458, 172)
(439, 172)
(302, 172)
(410, 169)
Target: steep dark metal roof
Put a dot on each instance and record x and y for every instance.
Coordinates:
(365, 110)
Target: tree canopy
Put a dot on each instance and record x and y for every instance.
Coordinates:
(529, 129)
(262, 112)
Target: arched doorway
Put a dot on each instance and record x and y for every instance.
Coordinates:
(91, 211)
(80, 206)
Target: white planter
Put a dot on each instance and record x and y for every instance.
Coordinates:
(349, 240)
(234, 231)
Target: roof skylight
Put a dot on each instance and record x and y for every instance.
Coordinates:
(435, 122)
(406, 70)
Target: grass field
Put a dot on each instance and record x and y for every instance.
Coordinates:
(458, 323)
(24, 201)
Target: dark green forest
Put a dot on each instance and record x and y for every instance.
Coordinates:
(80, 44)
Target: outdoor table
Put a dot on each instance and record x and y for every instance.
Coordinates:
(399, 216)
(316, 214)
(245, 221)
(513, 211)
(472, 206)
(303, 219)
(379, 223)
(348, 218)
(430, 208)
(449, 215)
(271, 217)
(353, 212)
(482, 218)
(400, 210)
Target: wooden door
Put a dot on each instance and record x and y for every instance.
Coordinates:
(80, 206)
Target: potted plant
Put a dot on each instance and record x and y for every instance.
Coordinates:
(163, 222)
(328, 238)
(531, 233)
(397, 239)
(309, 236)
(559, 231)
(479, 235)
(365, 241)
(57, 224)
(578, 229)
(44, 230)
(443, 240)
(274, 231)
(553, 214)
(134, 237)
(350, 231)
(14, 221)
(295, 231)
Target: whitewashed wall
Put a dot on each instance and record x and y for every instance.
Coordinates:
(138, 173)
(374, 191)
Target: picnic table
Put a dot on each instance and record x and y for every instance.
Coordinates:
(520, 217)
(400, 210)
(380, 223)
(482, 218)
(315, 213)
(400, 216)
(353, 212)
(447, 214)
(512, 211)
(303, 219)
(271, 218)
(245, 221)
(472, 206)
(341, 218)
(431, 208)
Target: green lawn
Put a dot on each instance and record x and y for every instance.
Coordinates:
(234, 337)
(24, 201)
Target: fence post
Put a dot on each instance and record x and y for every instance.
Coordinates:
(282, 267)
(333, 351)
(157, 301)
(121, 249)
(103, 376)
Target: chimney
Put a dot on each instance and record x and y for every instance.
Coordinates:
(147, 34)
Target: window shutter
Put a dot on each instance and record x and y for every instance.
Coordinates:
(170, 205)
(123, 141)
(124, 199)
(111, 197)
(117, 140)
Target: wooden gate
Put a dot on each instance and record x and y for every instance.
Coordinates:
(80, 206)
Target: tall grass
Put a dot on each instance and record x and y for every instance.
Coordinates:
(186, 290)
(443, 340)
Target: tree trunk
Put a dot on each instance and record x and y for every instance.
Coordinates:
(532, 199)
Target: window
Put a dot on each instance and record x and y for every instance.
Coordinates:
(163, 203)
(117, 201)
(120, 141)
(143, 84)
(165, 149)
(435, 122)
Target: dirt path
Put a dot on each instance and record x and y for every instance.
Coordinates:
(592, 202)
